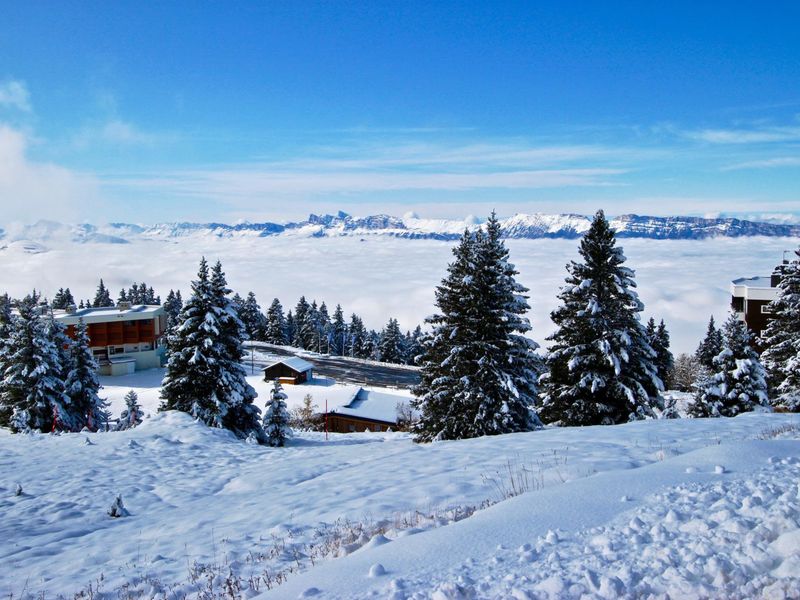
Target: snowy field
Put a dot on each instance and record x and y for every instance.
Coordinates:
(689, 508)
(683, 282)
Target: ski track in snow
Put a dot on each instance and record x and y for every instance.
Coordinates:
(197, 494)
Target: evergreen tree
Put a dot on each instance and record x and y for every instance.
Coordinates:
(291, 329)
(255, 323)
(414, 345)
(358, 338)
(601, 367)
(781, 339)
(658, 338)
(122, 296)
(132, 415)
(323, 330)
(478, 369)
(738, 383)
(276, 417)
(173, 306)
(391, 343)
(62, 299)
(102, 296)
(82, 384)
(31, 388)
(276, 328)
(710, 347)
(338, 332)
(300, 312)
(204, 375)
(307, 329)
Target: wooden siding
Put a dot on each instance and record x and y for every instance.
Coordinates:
(117, 333)
(285, 374)
(348, 424)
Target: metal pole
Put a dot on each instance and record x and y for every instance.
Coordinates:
(326, 419)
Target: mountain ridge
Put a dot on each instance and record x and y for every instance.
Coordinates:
(519, 226)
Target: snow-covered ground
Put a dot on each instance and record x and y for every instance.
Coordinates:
(689, 508)
(681, 281)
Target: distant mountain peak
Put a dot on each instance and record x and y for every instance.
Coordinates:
(411, 226)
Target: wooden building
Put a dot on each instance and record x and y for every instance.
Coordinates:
(366, 411)
(123, 338)
(290, 371)
(750, 298)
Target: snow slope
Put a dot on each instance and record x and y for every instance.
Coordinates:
(205, 507)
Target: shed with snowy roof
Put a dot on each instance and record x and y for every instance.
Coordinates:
(292, 371)
(368, 410)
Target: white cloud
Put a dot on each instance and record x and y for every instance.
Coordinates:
(758, 135)
(31, 189)
(15, 94)
(766, 163)
(117, 132)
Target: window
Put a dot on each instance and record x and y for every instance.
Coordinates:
(377, 428)
(351, 427)
(765, 310)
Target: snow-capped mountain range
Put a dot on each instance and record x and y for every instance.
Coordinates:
(520, 226)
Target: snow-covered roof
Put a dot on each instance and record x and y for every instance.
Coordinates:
(757, 282)
(374, 406)
(105, 314)
(294, 362)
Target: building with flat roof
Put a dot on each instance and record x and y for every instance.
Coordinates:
(750, 298)
(123, 338)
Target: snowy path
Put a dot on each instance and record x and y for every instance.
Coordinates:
(198, 495)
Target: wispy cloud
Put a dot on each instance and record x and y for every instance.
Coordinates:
(118, 132)
(374, 169)
(14, 94)
(766, 163)
(755, 135)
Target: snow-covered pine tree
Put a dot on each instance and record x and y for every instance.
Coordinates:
(509, 367)
(738, 383)
(357, 338)
(414, 346)
(323, 324)
(255, 323)
(102, 296)
(132, 415)
(276, 417)
(338, 332)
(658, 338)
(307, 329)
(710, 347)
(275, 328)
(82, 384)
(204, 376)
(600, 364)
(69, 415)
(62, 299)
(781, 340)
(391, 344)
(122, 296)
(435, 395)
(300, 311)
(31, 388)
(291, 329)
(172, 307)
(479, 371)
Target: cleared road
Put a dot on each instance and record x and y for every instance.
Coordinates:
(341, 369)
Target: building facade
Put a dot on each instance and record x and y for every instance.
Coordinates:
(123, 338)
(750, 298)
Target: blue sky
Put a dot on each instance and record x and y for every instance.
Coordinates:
(146, 111)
